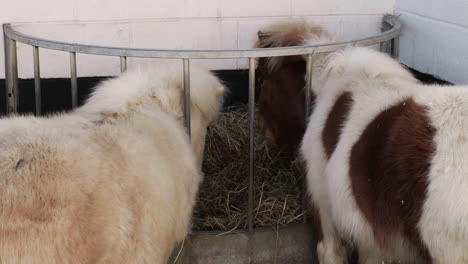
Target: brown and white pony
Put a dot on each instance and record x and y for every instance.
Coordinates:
(113, 181)
(387, 162)
(281, 110)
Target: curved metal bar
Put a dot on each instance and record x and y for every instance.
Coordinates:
(204, 54)
(246, 230)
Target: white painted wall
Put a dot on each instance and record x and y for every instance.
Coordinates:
(184, 24)
(435, 37)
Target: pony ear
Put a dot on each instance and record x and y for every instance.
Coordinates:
(261, 34)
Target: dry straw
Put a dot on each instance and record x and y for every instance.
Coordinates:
(222, 200)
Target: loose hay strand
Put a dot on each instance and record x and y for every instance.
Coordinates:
(222, 200)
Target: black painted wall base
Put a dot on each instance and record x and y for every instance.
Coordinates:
(56, 93)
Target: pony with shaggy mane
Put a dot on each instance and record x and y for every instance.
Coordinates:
(114, 181)
(387, 162)
(281, 102)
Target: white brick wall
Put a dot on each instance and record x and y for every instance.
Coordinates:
(342, 7)
(185, 24)
(450, 11)
(435, 37)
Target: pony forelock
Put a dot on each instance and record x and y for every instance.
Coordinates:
(290, 33)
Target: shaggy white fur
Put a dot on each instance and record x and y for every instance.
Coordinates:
(376, 83)
(112, 182)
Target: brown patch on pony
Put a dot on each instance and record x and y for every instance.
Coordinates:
(281, 108)
(282, 97)
(389, 165)
(335, 121)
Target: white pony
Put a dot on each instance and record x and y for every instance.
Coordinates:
(113, 181)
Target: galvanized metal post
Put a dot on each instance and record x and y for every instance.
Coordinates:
(74, 80)
(251, 142)
(396, 47)
(123, 64)
(383, 46)
(11, 74)
(37, 81)
(187, 96)
(308, 91)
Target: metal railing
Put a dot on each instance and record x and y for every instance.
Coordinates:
(388, 40)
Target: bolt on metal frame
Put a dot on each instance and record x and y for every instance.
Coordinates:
(388, 40)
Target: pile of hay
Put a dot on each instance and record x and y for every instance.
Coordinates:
(222, 200)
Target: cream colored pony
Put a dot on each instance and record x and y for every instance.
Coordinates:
(113, 181)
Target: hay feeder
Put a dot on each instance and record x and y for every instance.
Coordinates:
(240, 223)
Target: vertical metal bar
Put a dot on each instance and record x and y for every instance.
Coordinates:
(186, 67)
(11, 74)
(308, 91)
(37, 81)
(187, 96)
(251, 142)
(74, 81)
(123, 64)
(396, 47)
(383, 46)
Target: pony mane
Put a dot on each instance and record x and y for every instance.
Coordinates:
(162, 86)
(290, 33)
(363, 62)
